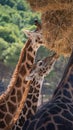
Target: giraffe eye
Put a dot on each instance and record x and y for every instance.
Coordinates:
(40, 63)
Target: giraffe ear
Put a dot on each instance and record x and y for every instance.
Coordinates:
(27, 33)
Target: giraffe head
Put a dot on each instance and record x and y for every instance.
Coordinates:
(42, 68)
(35, 37)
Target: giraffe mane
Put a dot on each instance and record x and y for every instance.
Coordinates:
(15, 73)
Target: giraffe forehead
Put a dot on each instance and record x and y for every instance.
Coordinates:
(36, 35)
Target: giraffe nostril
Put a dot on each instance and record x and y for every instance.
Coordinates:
(36, 40)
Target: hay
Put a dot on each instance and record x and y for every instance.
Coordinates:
(57, 23)
(58, 30)
(42, 5)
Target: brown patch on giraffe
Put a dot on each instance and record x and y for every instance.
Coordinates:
(34, 52)
(30, 49)
(40, 42)
(33, 82)
(29, 96)
(13, 99)
(30, 58)
(13, 91)
(22, 70)
(19, 97)
(25, 82)
(3, 107)
(34, 99)
(28, 43)
(24, 57)
(38, 86)
(24, 51)
(28, 66)
(7, 97)
(37, 94)
(8, 118)
(23, 89)
(34, 108)
(31, 89)
(25, 110)
(2, 124)
(12, 107)
(18, 82)
(28, 103)
(36, 90)
(2, 115)
(29, 114)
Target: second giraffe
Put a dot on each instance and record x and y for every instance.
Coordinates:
(39, 70)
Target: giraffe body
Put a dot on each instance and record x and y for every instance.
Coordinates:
(58, 113)
(10, 100)
(36, 76)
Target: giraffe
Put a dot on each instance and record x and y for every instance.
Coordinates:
(37, 74)
(10, 100)
(57, 114)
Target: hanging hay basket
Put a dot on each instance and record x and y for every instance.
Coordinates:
(58, 30)
(57, 24)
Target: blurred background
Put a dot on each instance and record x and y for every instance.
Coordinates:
(16, 15)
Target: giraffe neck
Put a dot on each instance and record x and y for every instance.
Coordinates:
(30, 106)
(65, 88)
(11, 99)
